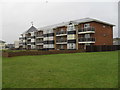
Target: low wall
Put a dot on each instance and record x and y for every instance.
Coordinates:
(24, 53)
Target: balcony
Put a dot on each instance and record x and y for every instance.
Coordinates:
(29, 37)
(61, 33)
(86, 30)
(28, 43)
(39, 42)
(22, 38)
(21, 43)
(86, 40)
(61, 41)
(39, 35)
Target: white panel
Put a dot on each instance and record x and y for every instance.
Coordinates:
(16, 43)
(24, 46)
(50, 38)
(71, 36)
(51, 46)
(23, 40)
(23, 35)
(48, 46)
(45, 38)
(32, 40)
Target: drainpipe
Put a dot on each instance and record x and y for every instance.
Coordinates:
(77, 37)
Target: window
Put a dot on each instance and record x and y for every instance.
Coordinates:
(87, 35)
(104, 26)
(104, 35)
(71, 46)
(87, 44)
(33, 47)
(62, 30)
(32, 33)
(71, 27)
(61, 46)
(86, 25)
(45, 38)
(32, 40)
(61, 38)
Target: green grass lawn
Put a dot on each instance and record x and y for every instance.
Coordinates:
(78, 70)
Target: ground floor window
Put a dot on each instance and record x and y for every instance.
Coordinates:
(71, 46)
(61, 47)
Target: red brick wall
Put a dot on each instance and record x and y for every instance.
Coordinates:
(100, 31)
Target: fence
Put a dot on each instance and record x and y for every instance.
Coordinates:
(24, 53)
(98, 48)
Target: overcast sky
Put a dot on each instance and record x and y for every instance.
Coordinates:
(16, 16)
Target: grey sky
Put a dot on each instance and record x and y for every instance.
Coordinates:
(16, 16)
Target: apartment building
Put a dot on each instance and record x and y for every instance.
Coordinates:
(76, 34)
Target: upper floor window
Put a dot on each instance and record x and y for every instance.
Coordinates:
(104, 26)
(61, 46)
(86, 25)
(87, 35)
(71, 27)
(61, 38)
(62, 30)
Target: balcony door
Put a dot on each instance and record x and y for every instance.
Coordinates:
(71, 46)
(86, 25)
(87, 36)
(70, 27)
